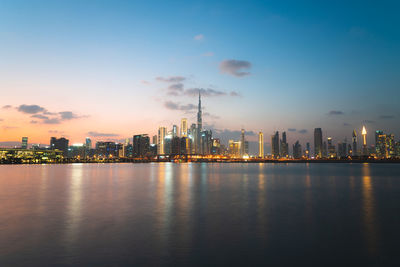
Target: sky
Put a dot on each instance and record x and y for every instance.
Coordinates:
(112, 69)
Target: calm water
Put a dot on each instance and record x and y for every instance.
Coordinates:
(200, 214)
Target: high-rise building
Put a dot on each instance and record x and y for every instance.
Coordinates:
(318, 143)
(275, 145)
(108, 149)
(154, 140)
(364, 136)
(193, 136)
(242, 140)
(260, 145)
(354, 148)
(297, 150)
(308, 150)
(162, 132)
(24, 144)
(184, 127)
(206, 142)
(174, 131)
(284, 146)
(60, 144)
(199, 127)
(234, 148)
(88, 143)
(141, 145)
(380, 144)
(331, 148)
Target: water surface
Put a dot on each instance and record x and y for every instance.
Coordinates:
(199, 214)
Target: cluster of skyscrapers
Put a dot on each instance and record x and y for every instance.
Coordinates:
(195, 141)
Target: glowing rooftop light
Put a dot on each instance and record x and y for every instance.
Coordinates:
(364, 131)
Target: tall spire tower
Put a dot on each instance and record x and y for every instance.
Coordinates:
(199, 116)
(364, 136)
(198, 146)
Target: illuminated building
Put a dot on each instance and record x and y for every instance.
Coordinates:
(206, 142)
(260, 145)
(162, 131)
(391, 145)
(193, 135)
(216, 148)
(141, 145)
(38, 155)
(77, 151)
(154, 140)
(234, 148)
(60, 144)
(24, 144)
(297, 150)
(318, 143)
(242, 140)
(284, 146)
(174, 131)
(199, 127)
(397, 149)
(364, 136)
(184, 127)
(275, 145)
(354, 139)
(108, 149)
(308, 150)
(331, 148)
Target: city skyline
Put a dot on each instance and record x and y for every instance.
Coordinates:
(141, 67)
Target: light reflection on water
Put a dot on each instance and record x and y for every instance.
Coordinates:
(185, 214)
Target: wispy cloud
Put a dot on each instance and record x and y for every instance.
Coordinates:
(42, 115)
(171, 79)
(291, 129)
(30, 109)
(208, 92)
(302, 131)
(235, 67)
(335, 112)
(177, 106)
(386, 117)
(99, 134)
(7, 107)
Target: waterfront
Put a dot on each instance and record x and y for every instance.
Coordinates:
(199, 214)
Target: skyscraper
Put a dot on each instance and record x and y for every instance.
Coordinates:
(331, 148)
(365, 148)
(88, 143)
(284, 149)
(199, 127)
(318, 143)
(174, 131)
(141, 145)
(354, 139)
(184, 127)
(275, 145)
(242, 140)
(162, 131)
(297, 150)
(260, 145)
(60, 144)
(24, 144)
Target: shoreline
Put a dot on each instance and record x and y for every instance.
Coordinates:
(383, 161)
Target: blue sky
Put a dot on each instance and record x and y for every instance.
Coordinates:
(310, 64)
